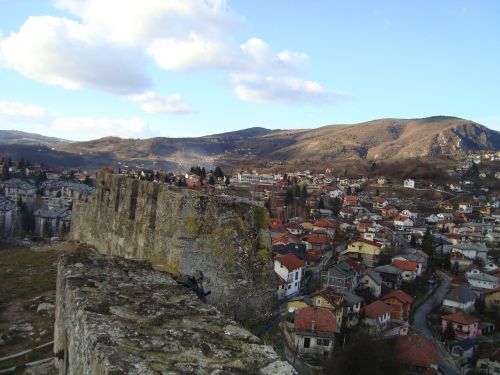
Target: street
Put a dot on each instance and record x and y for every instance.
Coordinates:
(420, 324)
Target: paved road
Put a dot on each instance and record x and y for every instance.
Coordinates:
(420, 324)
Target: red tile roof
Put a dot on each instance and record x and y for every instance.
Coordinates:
(405, 265)
(290, 261)
(317, 239)
(354, 265)
(315, 319)
(461, 317)
(417, 351)
(401, 218)
(376, 309)
(286, 238)
(399, 295)
(325, 224)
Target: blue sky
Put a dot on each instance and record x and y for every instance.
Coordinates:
(188, 68)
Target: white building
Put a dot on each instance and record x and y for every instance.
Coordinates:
(409, 183)
(481, 280)
(471, 250)
(402, 222)
(290, 269)
(256, 178)
(460, 298)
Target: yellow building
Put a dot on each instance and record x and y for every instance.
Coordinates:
(327, 298)
(492, 300)
(363, 250)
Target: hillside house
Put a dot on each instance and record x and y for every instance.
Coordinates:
(351, 200)
(8, 210)
(460, 298)
(290, 269)
(340, 277)
(409, 269)
(409, 183)
(317, 241)
(419, 257)
(377, 316)
(413, 215)
(480, 280)
(464, 325)
(373, 281)
(471, 251)
(379, 202)
(492, 300)
(326, 225)
(315, 330)
(352, 309)
(328, 298)
(489, 362)
(403, 223)
(389, 211)
(15, 189)
(400, 303)
(390, 275)
(418, 354)
(362, 250)
(50, 222)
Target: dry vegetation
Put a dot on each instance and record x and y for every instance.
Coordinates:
(28, 279)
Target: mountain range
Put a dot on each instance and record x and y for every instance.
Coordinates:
(378, 139)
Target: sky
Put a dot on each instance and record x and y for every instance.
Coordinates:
(84, 69)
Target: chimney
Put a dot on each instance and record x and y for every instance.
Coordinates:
(313, 324)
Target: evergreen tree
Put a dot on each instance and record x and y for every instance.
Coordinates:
(449, 332)
(321, 204)
(218, 172)
(336, 205)
(211, 180)
(289, 197)
(413, 240)
(428, 245)
(203, 173)
(5, 172)
(228, 181)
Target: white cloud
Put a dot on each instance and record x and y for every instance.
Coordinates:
(12, 114)
(108, 43)
(282, 90)
(18, 110)
(63, 52)
(152, 102)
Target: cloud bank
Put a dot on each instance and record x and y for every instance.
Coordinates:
(12, 114)
(107, 45)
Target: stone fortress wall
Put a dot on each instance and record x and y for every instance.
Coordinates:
(183, 231)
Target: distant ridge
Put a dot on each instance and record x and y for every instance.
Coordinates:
(24, 138)
(378, 139)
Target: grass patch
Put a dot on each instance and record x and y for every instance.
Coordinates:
(26, 273)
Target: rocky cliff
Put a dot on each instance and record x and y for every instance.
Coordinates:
(119, 316)
(184, 231)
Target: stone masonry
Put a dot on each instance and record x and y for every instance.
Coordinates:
(119, 316)
(183, 231)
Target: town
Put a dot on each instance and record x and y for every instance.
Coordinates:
(371, 271)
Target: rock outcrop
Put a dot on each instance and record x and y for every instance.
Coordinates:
(119, 316)
(183, 231)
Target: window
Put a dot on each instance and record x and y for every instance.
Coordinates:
(289, 286)
(307, 342)
(296, 275)
(323, 342)
(318, 302)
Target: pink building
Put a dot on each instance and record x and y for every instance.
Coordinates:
(465, 325)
